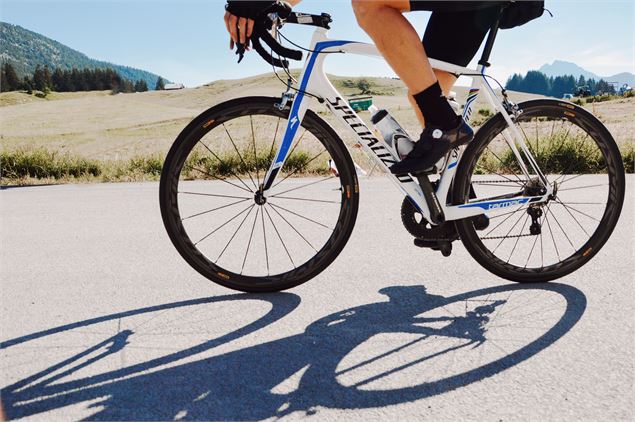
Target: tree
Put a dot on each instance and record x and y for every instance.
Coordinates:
(27, 85)
(364, 86)
(160, 86)
(515, 82)
(40, 82)
(536, 83)
(562, 85)
(604, 87)
(9, 80)
(140, 86)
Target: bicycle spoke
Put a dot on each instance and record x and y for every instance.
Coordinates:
(499, 224)
(308, 200)
(299, 168)
(215, 209)
(587, 203)
(498, 174)
(294, 229)
(235, 233)
(223, 180)
(501, 184)
(504, 214)
(264, 237)
(562, 229)
(253, 137)
(569, 179)
(303, 186)
(553, 238)
(578, 145)
(251, 236)
(213, 195)
(583, 187)
(534, 245)
(240, 156)
(223, 225)
(575, 219)
(542, 250)
(224, 164)
(520, 181)
(273, 142)
(301, 216)
(297, 143)
(280, 237)
(508, 233)
(518, 239)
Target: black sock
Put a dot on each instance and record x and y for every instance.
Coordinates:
(435, 108)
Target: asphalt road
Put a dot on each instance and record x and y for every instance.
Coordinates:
(102, 319)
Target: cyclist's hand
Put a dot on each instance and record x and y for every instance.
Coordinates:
(239, 28)
(239, 18)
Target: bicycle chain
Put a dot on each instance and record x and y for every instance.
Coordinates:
(506, 237)
(496, 181)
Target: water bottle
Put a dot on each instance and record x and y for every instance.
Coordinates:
(391, 131)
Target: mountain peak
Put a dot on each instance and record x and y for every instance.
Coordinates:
(26, 49)
(562, 67)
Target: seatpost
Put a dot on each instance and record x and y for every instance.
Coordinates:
(491, 37)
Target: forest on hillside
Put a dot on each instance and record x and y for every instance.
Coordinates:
(58, 80)
(535, 82)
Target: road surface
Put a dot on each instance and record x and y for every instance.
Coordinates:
(102, 319)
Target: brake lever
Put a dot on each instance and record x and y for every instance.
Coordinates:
(240, 48)
(240, 51)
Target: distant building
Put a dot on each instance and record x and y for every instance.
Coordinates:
(171, 87)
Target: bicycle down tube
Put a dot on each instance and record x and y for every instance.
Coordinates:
(314, 82)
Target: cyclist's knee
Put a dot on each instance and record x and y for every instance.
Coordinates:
(362, 10)
(366, 10)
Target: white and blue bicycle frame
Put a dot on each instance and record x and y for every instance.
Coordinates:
(313, 80)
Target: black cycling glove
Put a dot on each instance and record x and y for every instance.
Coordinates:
(248, 9)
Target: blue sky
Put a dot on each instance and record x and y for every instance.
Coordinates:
(185, 40)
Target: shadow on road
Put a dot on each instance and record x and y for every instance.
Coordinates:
(245, 384)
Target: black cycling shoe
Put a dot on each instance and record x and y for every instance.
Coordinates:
(433, 144)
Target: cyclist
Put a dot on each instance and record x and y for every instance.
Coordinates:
(454, 34)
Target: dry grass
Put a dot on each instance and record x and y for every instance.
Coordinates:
(117, 128)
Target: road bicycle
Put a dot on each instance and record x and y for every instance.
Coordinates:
(261, 194)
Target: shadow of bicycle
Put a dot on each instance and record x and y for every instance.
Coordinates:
(412, 346)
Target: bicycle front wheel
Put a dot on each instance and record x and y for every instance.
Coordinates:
(225, 230)
(546, 241)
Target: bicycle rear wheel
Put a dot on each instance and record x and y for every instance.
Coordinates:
(223, 228)
(547, 241)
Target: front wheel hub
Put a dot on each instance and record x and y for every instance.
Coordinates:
(259, 198)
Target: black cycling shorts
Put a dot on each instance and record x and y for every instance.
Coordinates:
(456, 28)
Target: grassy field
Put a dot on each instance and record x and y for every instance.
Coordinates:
(121, 134)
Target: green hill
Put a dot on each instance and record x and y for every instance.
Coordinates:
(26, 49)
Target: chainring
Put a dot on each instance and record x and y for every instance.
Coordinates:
(420, 228)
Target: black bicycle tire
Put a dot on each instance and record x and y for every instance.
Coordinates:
(603, 139)
(224, 112)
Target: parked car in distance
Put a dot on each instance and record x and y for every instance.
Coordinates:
(170, 87)
(567, 97)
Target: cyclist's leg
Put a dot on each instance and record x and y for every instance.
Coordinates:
(394, 37)
(397, 40)
(454, 36)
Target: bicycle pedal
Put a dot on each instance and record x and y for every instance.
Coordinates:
(442, 246)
